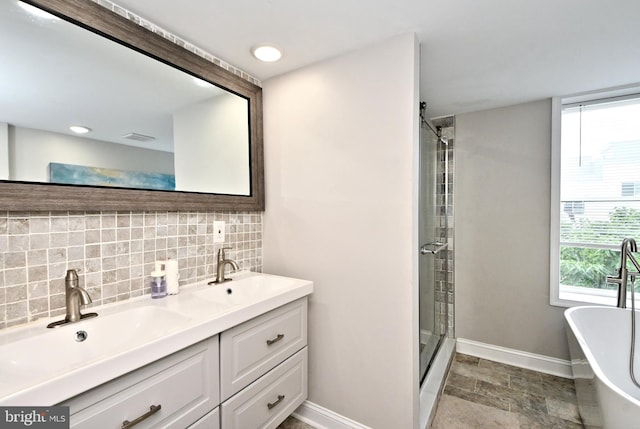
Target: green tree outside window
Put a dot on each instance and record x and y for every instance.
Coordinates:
(589, 267)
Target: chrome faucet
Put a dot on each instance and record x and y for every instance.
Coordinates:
(626, 253)
(75, 297)
(222, 263)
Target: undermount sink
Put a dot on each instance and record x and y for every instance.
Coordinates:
(66, 347)
(245, 290)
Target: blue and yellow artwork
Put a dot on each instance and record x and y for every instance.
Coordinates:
(94, 176)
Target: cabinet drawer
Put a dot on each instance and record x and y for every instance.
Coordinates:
(210, 421)
(185, 384)
(267, 402)
(249, 350)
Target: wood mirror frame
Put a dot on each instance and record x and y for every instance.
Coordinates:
(23, 196)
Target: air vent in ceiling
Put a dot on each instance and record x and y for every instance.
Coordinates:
(138, 137)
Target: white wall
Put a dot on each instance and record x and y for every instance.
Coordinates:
(31, 151)
(212, 146)
(341, 153)
(502, 203)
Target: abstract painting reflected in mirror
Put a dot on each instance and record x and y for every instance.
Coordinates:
(94, 176)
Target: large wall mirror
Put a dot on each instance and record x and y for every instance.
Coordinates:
(164, 128)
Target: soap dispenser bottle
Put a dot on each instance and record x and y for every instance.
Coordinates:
(158, 281)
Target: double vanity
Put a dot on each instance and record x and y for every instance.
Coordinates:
(232, 355)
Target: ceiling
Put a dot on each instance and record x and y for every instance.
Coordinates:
(475, 54)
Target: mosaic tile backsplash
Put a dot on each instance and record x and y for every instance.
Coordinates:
(113, 252)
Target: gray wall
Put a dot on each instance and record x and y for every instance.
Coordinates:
(341, 163)
(503, 182)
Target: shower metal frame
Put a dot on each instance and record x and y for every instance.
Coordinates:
(439, 248)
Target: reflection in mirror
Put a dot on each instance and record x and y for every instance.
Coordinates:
(151, 126)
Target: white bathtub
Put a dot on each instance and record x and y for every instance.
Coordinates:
(599, 342)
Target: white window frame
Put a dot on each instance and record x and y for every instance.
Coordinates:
(572, 296)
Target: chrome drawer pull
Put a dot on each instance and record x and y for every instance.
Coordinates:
(152, 410)
(270, 405)
(275, 340)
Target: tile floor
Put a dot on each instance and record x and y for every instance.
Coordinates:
(292, 423)
(484, 394)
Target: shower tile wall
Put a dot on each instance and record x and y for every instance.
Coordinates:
(445, 260)
(114, 253)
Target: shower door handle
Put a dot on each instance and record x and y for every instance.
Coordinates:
(433, 248)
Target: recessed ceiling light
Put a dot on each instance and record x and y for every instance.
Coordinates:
(36, 11)
(266, 53)
(79, 129)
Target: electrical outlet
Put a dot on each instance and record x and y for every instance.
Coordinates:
(218, 231)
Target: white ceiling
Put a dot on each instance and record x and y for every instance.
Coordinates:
(475, 54)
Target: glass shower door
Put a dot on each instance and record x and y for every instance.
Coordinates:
(433, 246)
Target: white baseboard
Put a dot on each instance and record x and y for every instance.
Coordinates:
(540, 363)
(322, 418)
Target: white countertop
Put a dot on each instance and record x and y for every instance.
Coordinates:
(42, 367)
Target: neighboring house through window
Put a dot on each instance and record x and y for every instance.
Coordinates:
(595, 192)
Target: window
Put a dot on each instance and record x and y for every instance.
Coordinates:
(595, 193)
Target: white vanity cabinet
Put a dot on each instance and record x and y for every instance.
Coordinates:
(268, 401)
(184, 385)
(210, 421)
(252, 375)
(263, 368)
(249, 350)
